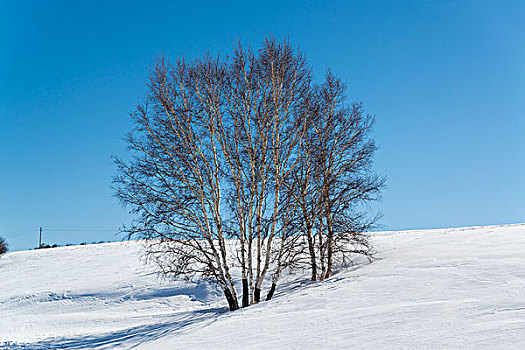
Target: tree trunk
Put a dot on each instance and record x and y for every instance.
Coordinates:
(232, 302)
(250, 270)
(257, 295)
(270, 293)
(321, 250)
(245, 293)
(311, 249)
(330, 246)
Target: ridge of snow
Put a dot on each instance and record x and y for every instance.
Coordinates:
(437, 289)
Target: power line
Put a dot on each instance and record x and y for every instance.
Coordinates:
(81, 227)
(20, 234)
(79, 230)
(25, 229)
(31, 230)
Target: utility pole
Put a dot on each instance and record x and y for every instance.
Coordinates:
(40, 241)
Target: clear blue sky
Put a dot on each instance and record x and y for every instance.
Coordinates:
(445, 80)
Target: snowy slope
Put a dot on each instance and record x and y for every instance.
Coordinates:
(460, 288)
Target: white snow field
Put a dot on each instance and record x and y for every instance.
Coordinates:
(461, 288)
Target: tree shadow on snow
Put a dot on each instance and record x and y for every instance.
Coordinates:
(340, 273)
(132, 337)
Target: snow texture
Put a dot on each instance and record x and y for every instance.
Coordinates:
(461, 288)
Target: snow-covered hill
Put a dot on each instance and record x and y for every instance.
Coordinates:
(460, 288)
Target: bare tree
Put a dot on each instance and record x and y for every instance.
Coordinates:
(264, 94)
(335, 180)
(174, 181)
(214, 143)
(3, 246)
(246, 148)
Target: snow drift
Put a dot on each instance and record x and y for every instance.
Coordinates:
(437, 289)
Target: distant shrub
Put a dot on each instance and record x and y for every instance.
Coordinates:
(3, 246)
(45, 246)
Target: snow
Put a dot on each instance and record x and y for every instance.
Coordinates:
(428, 289)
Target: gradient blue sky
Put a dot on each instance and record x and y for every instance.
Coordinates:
(445, 80)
